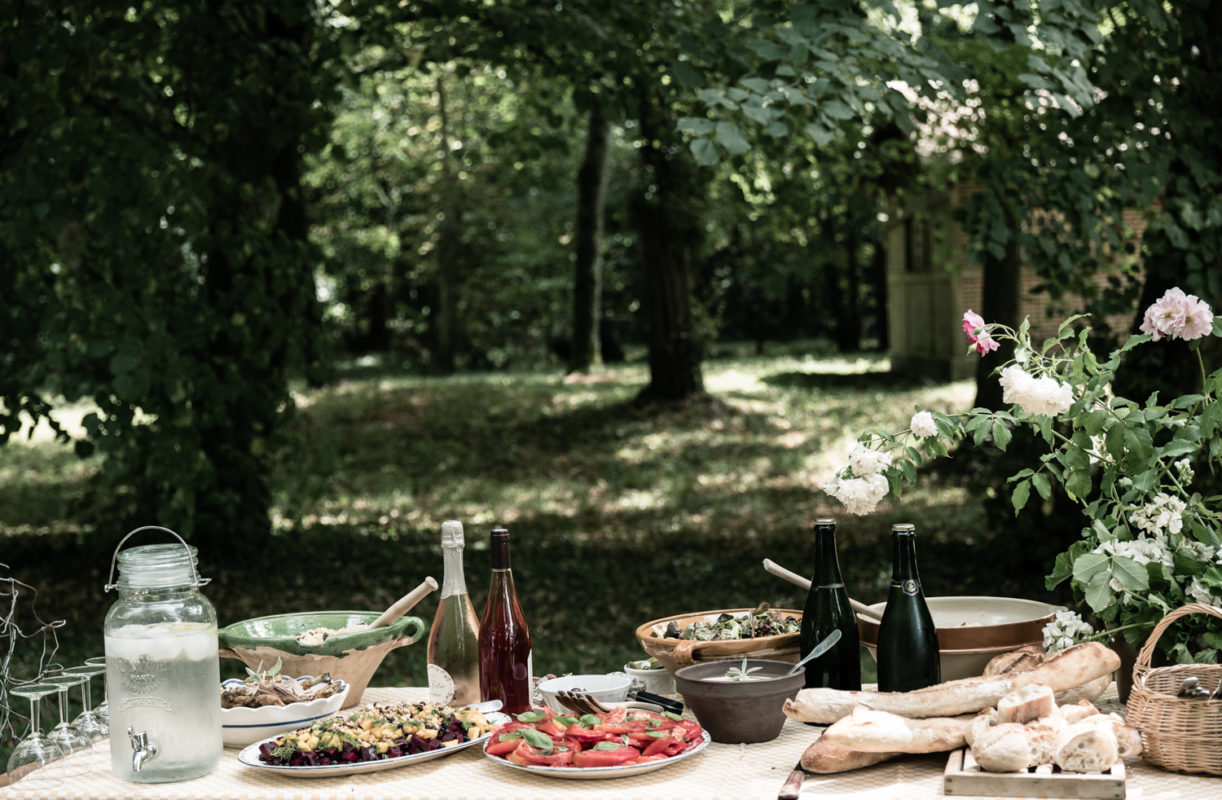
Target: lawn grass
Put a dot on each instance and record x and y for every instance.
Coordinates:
(618, 514)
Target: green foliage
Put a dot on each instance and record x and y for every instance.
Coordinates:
(153, 236)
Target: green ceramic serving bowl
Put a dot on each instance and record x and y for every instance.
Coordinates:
(280, 632)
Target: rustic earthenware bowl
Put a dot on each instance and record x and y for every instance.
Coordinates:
(737, 712)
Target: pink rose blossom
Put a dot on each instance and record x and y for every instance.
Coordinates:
(977, 334)
(972, 322)
(1178, 316)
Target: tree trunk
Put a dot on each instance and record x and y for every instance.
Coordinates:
(670, 237)
(445, 318)
(1001, 295)
(878, 280)
(848, 331)
(587, 280)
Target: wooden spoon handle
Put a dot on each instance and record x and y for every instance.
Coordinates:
(405, 603)
(797, 580)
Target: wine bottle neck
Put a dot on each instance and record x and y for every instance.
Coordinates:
(453, 581)
(827, 564)
(903, 559)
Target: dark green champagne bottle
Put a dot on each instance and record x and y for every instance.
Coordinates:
(907, 638)
(827, 609)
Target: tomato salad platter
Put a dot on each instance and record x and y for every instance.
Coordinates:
(619, 743)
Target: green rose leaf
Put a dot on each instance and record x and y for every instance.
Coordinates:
(1020, 495)
(1132, 576)
(1099, 593)
(1089, 565)
(1041, 485)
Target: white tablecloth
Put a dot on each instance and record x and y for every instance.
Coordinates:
(721, 771)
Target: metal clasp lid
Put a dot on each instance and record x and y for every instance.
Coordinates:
(197, 581)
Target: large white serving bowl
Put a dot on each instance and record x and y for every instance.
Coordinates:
(243, 726)
(972, 629)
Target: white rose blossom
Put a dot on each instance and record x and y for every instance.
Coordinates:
(1043, 395)
(1065, 629)
(923, 425)
(866, 462)
(1163, 513)
(859, 495)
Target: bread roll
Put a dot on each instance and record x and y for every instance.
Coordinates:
(824, 757)
(1070, 667)
(1003, 748)
(870, 731)
(1025, 704)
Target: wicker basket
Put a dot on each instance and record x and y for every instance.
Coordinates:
(1178, 734)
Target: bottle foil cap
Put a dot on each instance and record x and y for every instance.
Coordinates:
(451, 533)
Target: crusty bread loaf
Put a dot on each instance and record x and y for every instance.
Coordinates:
(1020, 660)
(978, 725)
(1087, 747)
(1044, 737)
(824, 757)
(870, 731)
(1070, 667)
(1025, 704)
(1089, 691)
(1003, 748)
(1076, 712)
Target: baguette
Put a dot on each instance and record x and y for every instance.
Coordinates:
(870, 731)
(824, 757)
(1071, 667)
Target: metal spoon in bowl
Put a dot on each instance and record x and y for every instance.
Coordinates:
(820, 649)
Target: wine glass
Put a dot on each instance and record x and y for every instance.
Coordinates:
(88, 722)
(103, 709)
(29, 759)
(68, 738)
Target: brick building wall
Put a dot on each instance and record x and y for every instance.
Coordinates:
(930, 283)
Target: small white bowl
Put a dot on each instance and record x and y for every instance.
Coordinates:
(611, 688)
(243, 726)
(658, 681)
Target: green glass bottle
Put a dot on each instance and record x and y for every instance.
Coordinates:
(907, 638)
(827, 609)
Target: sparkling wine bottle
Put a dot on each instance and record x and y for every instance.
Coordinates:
(827, 609)
(504, 640)
(907, 638)
(453, 651)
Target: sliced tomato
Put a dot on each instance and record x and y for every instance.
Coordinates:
(606, 758)
(586, 736)
(691, 730)
(560, 757)
(496, 747)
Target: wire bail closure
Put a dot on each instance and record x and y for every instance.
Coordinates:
(198, 581)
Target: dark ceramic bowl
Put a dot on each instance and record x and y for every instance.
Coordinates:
(736, 712)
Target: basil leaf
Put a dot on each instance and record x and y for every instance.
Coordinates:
(565, 720)
(658, 734)
(590, 720)
(509, 737)
(538, 739)
(607, 746)
(531, 716)
(672, 715)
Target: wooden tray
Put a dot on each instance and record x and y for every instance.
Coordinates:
(965, 777)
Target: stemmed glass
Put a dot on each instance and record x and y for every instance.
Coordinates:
(68, 738)
(103, 709)
(33, 753)
(88, 721)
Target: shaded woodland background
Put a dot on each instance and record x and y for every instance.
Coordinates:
(301, 281)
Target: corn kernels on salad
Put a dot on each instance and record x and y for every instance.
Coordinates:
(374, 732)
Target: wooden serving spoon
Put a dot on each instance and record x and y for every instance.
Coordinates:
(862, 609)
(405, 603)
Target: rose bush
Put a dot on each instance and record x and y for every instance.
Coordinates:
(1151, 539)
